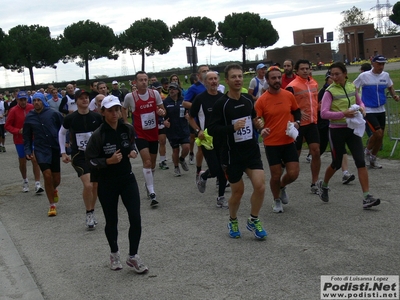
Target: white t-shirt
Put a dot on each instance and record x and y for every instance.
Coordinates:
(260, 82)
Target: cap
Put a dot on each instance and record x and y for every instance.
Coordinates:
(79, 93)
(379, 59)
(164, 80)
(122, 84)
(22, 95)
(328, 74)
(156, 85)
(110, 101)
(115, 82)
(174, 85)
(260, 66)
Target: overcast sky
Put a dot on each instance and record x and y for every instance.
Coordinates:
(286, 16)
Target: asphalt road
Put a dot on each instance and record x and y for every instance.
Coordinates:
(185, 241)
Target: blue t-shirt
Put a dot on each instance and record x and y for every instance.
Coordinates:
(194, 90)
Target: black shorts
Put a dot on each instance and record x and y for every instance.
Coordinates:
(80, 164)
(277, 155)
(175, 143)
(250, 159)
(310, 133)
(55, 165)
(162, 131)
(376, 121)
(2, 131)
(142, 143)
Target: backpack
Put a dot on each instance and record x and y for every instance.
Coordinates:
(255, 91)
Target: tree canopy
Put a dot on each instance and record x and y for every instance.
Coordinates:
(88, 40)
(352, 16)
(246, 30)
(199, 30)
(29, 47)
(395, 16)
(146, 37)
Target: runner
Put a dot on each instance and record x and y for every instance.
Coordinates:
(81, 124)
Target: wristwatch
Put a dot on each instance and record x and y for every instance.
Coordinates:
(197, 131)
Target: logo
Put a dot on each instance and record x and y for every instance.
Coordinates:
(360, 287)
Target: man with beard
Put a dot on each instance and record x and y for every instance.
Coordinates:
(43, 123)
(288, 75)
(278, 107)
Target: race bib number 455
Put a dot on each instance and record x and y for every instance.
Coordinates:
(245, 133)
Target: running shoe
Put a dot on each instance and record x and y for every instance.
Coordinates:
(314, 189)
(283, 196)
(115, 261)
(256, 227)
(348, 178)
(308, 158)
(323, 191)
(177, 172)
(370, 201)
(201, 183)
(90, 221)
(373, 164)
(55, 197)
(163, 165)
(222, 202)
(191, 159)
(234, 231)
(184, 165)
(3, 149)
(95, 219)
(25, 187)
(38, 188)
(277, 207)
(52, 211)
(136, 263)
(153, 199)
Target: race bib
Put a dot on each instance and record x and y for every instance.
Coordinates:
(148, 120)
(82, 140)
(245, 133)
(182, 112)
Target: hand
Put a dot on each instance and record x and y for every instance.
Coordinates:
(167, 123)
(115, 158)
(258, 122)
(239, 124)
(161, 112)
(29, 156)
(132, 154)
(350, 113)
(65, 158)
(396, 98)
(21, 130)
(200, 135)
(265, 132)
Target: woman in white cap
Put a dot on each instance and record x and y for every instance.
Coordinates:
(109, 149)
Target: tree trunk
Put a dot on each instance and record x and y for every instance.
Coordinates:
(32, 79)
(143, 60)
(194, 61)
(244, 57)
(87, 70)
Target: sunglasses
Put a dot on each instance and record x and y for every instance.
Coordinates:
(273, 68)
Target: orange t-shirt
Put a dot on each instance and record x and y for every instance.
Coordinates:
(276, 109)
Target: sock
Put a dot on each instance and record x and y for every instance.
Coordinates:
(253, 218)
(162, 158)
(37, 182)
(205, 175)
(152, 172)
(365, 194)
(148, 177)
(89, 211)
(232, 219)
(25, 180)
(198, 169)
(181, 158)
(324, 184)
(345, 172)
(191, 153)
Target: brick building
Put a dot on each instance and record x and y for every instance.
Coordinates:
(308, 44)
(360, 42)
